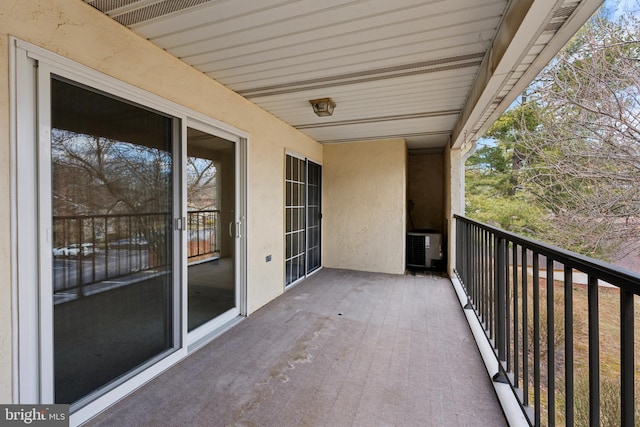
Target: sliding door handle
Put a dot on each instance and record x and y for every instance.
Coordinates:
(234, 229)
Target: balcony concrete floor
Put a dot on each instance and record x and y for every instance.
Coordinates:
(343, 348)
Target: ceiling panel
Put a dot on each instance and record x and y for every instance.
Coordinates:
(422, 70)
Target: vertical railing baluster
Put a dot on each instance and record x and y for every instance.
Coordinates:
(488, 278)
(189, 234)
(207, 235)
(94, 248)
(568, 346)
(485, 271)
(461, 249)
(627, 358)
(79, 278)
(106, 248)
(472, 247)
(551, 352)
(516, 312)
(129, 234)
(65, 276)
(216, 229)
(594, 353)
(459, 243)
(525, 328)
(118, 248)
(485, 280)
(500, 298)
(476, 265)
(198, 231)
(536, 338)
(475, 248)
(507, 303)
(492, 286)
(462, 262)
(471, 261)
(477, 298)
(212, 243)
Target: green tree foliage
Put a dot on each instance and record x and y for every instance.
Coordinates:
(490, 194)
(488, 159)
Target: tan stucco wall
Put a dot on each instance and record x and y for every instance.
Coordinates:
(78, 32)
(364, 206)
(426, 190)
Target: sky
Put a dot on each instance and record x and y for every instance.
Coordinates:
(624, 6)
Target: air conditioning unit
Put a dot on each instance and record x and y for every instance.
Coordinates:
(423, 247)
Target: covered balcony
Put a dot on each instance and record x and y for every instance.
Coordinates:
(315, 127)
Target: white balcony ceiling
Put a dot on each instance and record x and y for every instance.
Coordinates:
(431, 72)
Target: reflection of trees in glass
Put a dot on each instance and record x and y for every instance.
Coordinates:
(201, 184)
(101, 176)
(202, 202)
(95, 176)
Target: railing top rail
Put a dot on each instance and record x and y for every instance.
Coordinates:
(612, 274)
(123, 215)
(189, 210)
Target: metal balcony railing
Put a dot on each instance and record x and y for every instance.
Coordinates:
(568, 357)
(99, 252)
(202, 227)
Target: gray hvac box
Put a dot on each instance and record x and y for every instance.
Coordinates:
(423, 247)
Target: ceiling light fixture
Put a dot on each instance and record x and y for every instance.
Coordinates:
(323, 107)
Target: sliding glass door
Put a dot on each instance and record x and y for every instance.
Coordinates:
(111, 214)
(210, 226)
(314, 216)
(132, 239)
(295, 208)
(303, 216)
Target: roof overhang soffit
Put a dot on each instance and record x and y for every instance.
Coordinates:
(522, 25)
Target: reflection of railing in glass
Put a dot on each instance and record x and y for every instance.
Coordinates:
(201, 234)
(95, 249)
(91, 249)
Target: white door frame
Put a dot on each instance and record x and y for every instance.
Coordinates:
(204, 333)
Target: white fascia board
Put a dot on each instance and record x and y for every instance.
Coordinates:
(521, 26)
(568, 30)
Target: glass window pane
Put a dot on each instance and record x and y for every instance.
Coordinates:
(300, 196)
(210, 174)
(112, 203)
(294, 171)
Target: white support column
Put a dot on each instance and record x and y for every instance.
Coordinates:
(454, 197)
